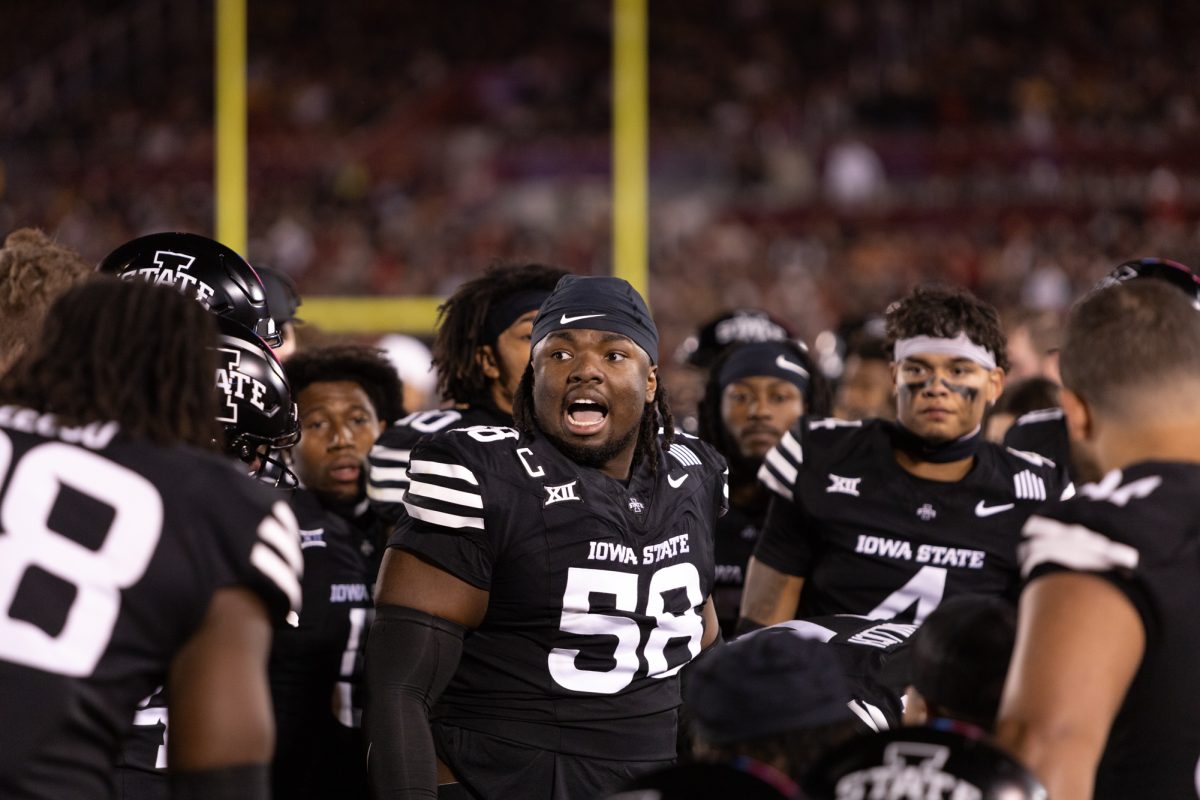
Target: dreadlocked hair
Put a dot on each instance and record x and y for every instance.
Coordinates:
(462, 320)
(655, 415)
(34, 270)
(818, 399)
(127, 351)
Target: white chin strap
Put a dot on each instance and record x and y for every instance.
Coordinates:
(958, 346)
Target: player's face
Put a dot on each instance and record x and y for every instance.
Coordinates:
(338, 426)
(865, 390)
(504, 363)
(757, 411)
(943, 397)
(590, 390)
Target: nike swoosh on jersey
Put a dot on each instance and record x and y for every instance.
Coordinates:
(982, 510)
(565, 320)
(675, 484)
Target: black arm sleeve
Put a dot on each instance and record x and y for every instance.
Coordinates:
(411, 656)
(249, 782)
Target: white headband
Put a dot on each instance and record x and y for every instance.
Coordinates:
(958, 346)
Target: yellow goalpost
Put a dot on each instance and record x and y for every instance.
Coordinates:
(416, 315)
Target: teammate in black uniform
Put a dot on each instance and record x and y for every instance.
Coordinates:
(258, 421)
(480, 351)
(345, 395)
(578, 552)
(1101, 699)
(755, 392)
(1045, 431)
(120, 572)
(885, 519)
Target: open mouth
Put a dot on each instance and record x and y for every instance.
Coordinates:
(584, 417)
(345, 471)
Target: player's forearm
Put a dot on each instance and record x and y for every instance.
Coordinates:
(769, 597)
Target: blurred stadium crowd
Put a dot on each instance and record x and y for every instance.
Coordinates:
(817, 157)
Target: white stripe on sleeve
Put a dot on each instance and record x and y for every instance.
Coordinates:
(1073, 546)
(445, 470)
(441, 518)
(422, 489)
(269, 563)
(768, 479)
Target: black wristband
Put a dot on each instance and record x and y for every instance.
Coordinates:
(243, 782)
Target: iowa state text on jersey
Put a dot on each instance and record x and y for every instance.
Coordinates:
(870, 538)
(596, 587)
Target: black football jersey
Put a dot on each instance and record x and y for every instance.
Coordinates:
(387, 463)
(596, 587)
(110, 554)
(737, 534)
(1139, 528)
(142, 763)
(876, 660)
(317, 662)
(315, 675)
(1043, 432)
(872, 539)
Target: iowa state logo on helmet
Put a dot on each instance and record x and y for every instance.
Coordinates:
(238, 387)
(201, 268)
(171, 269)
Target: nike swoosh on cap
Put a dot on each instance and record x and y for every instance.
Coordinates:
(982, 510)
(565, 320)
(790, 366)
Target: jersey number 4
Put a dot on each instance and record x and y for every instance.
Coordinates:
(29, 546)
(578, 618)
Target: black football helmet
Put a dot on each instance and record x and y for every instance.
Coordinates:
(733, 327)
(1161, 269)
(256, 407)
(199, 267)
(923, 762)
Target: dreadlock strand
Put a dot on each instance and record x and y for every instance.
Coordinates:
(133, 353)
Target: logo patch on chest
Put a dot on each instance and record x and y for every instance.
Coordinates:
(559, 494)
(840, 485)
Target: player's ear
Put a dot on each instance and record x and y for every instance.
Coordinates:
(1080, 425)
(652, 383)
(485, 357)
(894, 368)
(995, 385)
